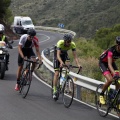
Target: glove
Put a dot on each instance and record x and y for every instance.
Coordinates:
(116, 77)
(10, 46)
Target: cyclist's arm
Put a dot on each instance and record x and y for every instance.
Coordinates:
(20, 51)
(76, 58)
(110, 55)
(38, 53)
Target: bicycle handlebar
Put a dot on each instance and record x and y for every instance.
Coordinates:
(31, 61)
(71, 66)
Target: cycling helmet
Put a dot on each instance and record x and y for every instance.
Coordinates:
(31, 32)
(2, 28)
(118, 40)
(67, 37)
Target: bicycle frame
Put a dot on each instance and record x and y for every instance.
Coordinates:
(114, 101)
(26, 78)
(67, 88)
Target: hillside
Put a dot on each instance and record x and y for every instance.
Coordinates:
(81, 16)
(9, 32)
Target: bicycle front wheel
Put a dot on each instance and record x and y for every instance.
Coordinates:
(68, 92)
(26, 84)
(102, 109)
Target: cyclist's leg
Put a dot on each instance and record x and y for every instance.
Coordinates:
(20, 66)
(55, 78)
(108, 76)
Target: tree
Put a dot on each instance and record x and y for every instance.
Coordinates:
(4, 4)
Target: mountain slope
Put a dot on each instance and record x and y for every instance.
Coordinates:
(81, 16)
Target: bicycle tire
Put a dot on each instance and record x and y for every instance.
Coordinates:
(68, 92)
(102, 109)
(21, 80)
(26, 84)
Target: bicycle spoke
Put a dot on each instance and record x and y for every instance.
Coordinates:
(26, 85)
(68, 92)
(102, 109)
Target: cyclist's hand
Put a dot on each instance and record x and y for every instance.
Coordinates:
(25, 58)
(61, 64)
(116, 77)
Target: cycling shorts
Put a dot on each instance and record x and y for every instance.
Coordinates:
(27, 52)
(56, 63)
(104, 67)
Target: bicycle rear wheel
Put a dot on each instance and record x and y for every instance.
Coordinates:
(68, 92)
(26, 84)
(102, 109)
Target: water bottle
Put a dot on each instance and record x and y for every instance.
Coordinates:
(112, 93)
(62, 80)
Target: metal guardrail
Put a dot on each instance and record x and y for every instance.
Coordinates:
(55, 29)
(82, 81)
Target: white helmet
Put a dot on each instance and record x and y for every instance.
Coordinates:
(2, 28)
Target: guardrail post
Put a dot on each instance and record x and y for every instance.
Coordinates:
(78, 92)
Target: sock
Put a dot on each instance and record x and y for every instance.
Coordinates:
(54, 89)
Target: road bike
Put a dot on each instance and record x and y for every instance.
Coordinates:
(112, 101)
(67, 86)
(26, 77)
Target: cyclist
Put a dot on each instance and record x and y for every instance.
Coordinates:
(61, 56)
(25, 50)
(109, 68)
(5, 39)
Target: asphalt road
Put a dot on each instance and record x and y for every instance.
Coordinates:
(39, 104)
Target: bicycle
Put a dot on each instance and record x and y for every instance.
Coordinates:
(112, 101)
(26, 77)
(67, 87)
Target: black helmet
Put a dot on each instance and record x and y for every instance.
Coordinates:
(118, 40)
(67, 37)
(31, 32)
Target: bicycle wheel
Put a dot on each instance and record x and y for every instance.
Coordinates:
(21, 80)
(118, 105)
(102, 109)
(26, 84)
(68, 92)
(58, 89)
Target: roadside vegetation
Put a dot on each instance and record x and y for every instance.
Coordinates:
(5, 12)
(90, 50)
(81, 16)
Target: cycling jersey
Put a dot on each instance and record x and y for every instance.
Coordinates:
(63, 48)
(110, 53)
(28, 44)
(103, 62)
(64, 55)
